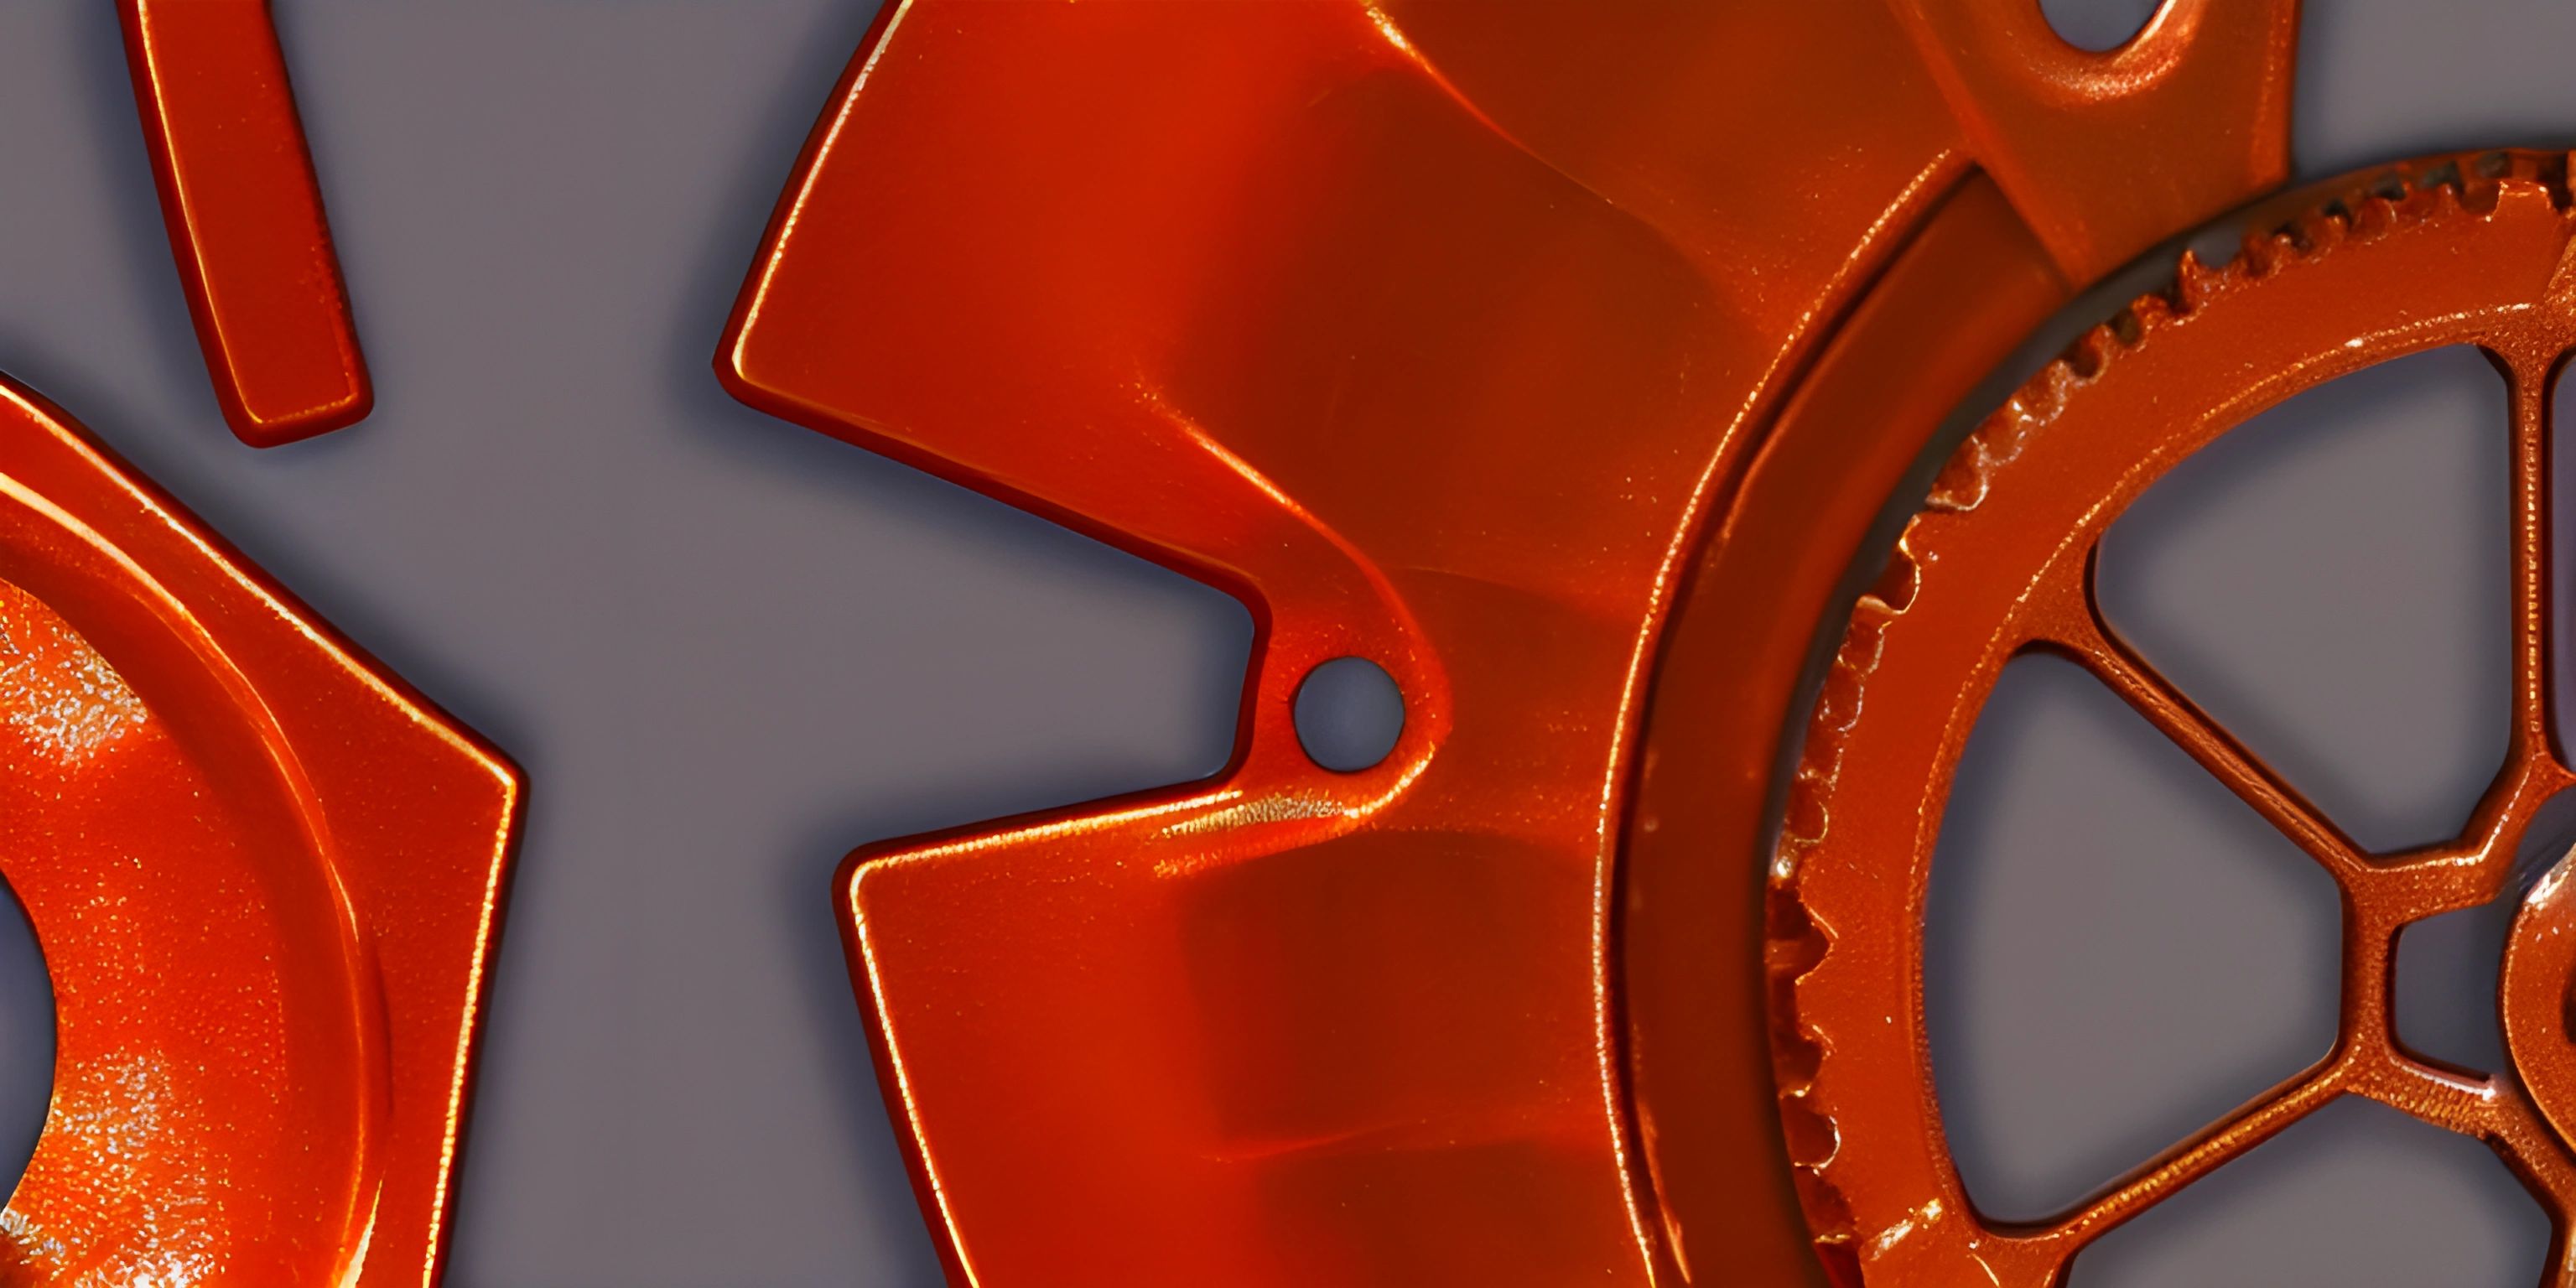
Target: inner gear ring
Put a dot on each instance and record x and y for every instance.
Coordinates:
(2000, 563)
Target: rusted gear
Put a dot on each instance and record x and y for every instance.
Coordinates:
(2000, 563)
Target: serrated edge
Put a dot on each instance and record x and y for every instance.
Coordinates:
(1798, 938)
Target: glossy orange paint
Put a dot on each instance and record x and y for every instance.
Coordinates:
(1932, 327)
(265, 879)
(1444, 335)
(2478, 251)
(245, 218)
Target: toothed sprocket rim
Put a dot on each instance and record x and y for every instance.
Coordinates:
(2457, 251)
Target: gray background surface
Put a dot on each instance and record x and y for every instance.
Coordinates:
(727, 650)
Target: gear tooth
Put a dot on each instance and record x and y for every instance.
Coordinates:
(1961, 484)
(2541, 172)
(2320, 229)
(2059, 380)
(2085, 358)
(2127, 324)
(1894, 589)
(2323, 230)
(2440, 174)
(1795, 942)
(2523, 192)
(1840, 1257)
(2376, 214)
(2145, 316)
(1859, 656)
(2488, 175)
(2038, 400)
(1828, 1212)
(2196, 283)
(2016, 407)
(2431, 202)
(1810, 1135)
(2265, 253)
(1839, 705)
(2253, 257)
(1800, 1056)
(1802, 825)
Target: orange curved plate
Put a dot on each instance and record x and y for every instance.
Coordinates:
(1441, 334)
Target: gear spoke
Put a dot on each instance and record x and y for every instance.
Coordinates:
(2231, 1139)
(2495, 1110)
(2487, 1108)
(2085, 637)
(2529, 378)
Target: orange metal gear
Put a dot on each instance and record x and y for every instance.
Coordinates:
(1454, 338)
(2478, 251)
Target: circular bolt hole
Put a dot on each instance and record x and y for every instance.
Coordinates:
(26, 1040)
(1349, 714)
(2099, 26)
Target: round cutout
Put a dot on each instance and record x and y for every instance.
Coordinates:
(2099, 26)
(1349, 714)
